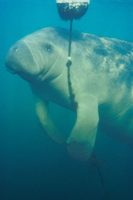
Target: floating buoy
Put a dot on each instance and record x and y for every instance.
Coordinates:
(69, 10)
(72, 9)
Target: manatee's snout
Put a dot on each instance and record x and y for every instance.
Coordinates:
(19, 59)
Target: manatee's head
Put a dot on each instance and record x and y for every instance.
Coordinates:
(41, 55)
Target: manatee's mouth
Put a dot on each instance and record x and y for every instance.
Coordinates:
(10, 70)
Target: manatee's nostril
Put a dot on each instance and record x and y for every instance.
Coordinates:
(15, 49)
(20, 59)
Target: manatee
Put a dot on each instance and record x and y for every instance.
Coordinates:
(97, 87)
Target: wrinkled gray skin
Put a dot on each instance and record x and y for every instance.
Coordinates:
(100, 85)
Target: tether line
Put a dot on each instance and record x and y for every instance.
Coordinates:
(69, 61)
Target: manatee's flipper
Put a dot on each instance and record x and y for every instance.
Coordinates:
(47, 123)
(82, 138)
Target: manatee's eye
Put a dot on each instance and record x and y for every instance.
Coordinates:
(48, 48)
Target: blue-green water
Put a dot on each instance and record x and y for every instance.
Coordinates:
(32, 166)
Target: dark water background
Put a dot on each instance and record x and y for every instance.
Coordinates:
(32, 167)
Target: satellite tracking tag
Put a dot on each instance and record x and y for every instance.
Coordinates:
(69, 10)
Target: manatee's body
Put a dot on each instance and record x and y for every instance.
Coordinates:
(98, 86)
